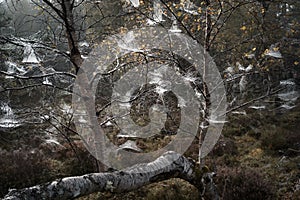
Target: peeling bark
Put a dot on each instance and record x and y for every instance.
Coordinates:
(116, 182)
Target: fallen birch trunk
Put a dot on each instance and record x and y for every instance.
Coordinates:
(116, 182)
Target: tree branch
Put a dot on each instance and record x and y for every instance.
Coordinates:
(52, 6)
(268, 94)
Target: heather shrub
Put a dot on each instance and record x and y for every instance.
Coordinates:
(22, 168)
(238, 183)
(26, 166)
(274, 138)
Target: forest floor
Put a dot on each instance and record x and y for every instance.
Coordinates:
(257, 157)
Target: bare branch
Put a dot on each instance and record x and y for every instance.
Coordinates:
(38, 76)
(254, 100)
(56, 10)
(35, 85)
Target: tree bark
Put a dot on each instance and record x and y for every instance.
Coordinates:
(65, 13)
(206, 103)
(68, 18)
(116, 182)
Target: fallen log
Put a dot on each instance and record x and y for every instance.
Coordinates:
(116, 182)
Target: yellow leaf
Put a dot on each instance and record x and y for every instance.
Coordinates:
(266, 51)
(179, 14)
(243, 28)
(199, 27)
(296, 63)
(199, 10)
(254, 49)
